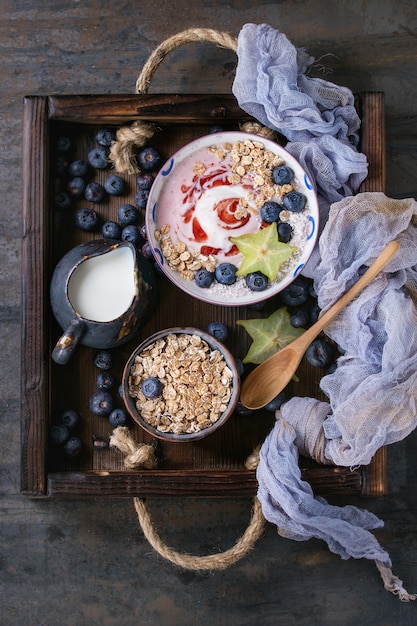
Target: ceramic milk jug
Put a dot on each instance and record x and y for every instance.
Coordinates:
(102, 292)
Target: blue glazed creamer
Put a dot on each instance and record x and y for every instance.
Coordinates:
(102, 292)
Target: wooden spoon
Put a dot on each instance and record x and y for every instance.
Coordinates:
(267, 380)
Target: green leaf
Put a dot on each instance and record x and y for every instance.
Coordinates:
(269, 335)
(263, 252)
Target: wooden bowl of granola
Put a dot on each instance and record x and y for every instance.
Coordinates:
(181, 384)
(232, 218)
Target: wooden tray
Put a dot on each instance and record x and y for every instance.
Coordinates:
(214, 466)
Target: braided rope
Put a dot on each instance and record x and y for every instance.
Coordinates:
(135, 136)
(218, 561)
(192, 34)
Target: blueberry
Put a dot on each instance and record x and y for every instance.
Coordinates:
(105, 380)
(275, 403)
(94, 192)
(73, 447)
(127, 214)
(76, 187)
(98, 158)
(320, 353)
(226, 273)
(216, 129)
(144, 181)
(62, 200)
(300, 318)
(105, 137)
(218, 330)
(131, 233)
(103, 360)
(240, 367)
(284, 232)
(314, 312)
(117, 418)
(143, 232)
(282, 175)
(114, 185)
(256, 281)
(59, 434)
(101, 403)
(151, 387)
(203, 278)
(146, 251)
(294, 201)
(141, 198)
(148, 159)
(111, 230)
(270, 211)
(69, 418)
(78, 168)
(297, 293)
(61, 165)
(87, 219)
(64, 144)
(257, 306)
(242, 410)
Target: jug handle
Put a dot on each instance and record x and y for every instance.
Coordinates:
(68, 341)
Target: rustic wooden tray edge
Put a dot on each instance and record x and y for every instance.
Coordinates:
(35, 387)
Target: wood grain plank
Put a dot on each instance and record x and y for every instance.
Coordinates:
(228, 483)
(33, 324)
(373, 144)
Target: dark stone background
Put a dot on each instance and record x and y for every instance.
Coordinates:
(86, 562)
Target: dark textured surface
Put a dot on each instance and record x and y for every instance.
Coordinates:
(86, 562)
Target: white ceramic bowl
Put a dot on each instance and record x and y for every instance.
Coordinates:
(191, 207)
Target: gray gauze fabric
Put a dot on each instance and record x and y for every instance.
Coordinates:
(317, 117)
(372, 397)
(371, 394)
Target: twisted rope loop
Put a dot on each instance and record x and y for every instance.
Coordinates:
(218, 561)
(188, 36)
(137, 455)
(135, 136)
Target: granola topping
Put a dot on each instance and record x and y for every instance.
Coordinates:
(222, 198)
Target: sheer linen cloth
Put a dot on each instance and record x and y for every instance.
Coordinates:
(371, 394)
(317, 117)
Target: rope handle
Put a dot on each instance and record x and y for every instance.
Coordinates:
(143, 456)
(218, 561)
(187, 36)
(138, 133)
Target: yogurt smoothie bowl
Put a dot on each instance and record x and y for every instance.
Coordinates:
(232, 218)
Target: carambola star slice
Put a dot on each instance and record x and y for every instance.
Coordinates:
(263, 252)
(269, 335)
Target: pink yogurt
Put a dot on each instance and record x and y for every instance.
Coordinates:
(200, 208)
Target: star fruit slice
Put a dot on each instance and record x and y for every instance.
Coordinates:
(263, 252)
(269, 335)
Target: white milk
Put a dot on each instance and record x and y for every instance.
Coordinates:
(102, 288)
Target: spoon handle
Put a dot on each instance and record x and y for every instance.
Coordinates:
(380, 262)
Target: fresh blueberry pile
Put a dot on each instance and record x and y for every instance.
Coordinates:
(102, 401)
(76, 183)
(301, 301)
(63, 434)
